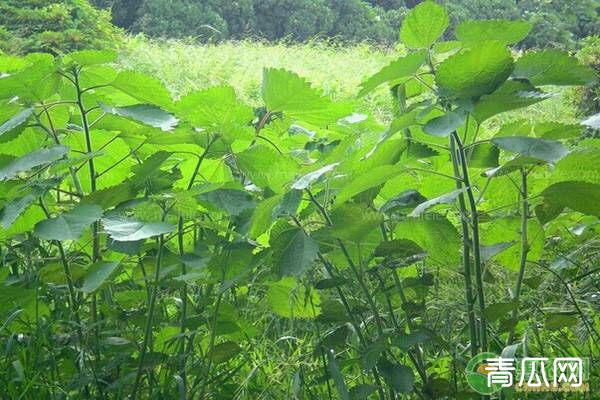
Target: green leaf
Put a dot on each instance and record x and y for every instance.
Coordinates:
(232, 201)
(97, 275)
(559, 321)
(368, 180)
(552, 67)
(447, 198)
(143, 88)
(404, 67)
(16, 121)
(483, 155)
(126, 230)
(13, 209)
(70, 225)
(445, 124)
(215, 109)
(353, 222)
(423, 25)
(263, 216)
(31, 160)
(306, 180)
(583, 197)
(510, 96)
(112, 196)
(284, 91)
(266, 168)
(488, 252)
(225, 351)
(145, 113)
(540, 149)
(476, 71)
(504, 31)
(289, 300)
(399, 377)
(338, 377)
(293, 250)
(556, 130)
(435, 234)
(493, 312)
(503, 231)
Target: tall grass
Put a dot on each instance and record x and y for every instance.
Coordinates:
(337, 70)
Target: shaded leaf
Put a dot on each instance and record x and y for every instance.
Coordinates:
(126, 230)
(70, 225)
(97, 275)
(31, 160)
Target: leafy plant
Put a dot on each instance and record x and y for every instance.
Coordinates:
(206, 248)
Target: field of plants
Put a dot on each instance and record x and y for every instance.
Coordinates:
(253, 221)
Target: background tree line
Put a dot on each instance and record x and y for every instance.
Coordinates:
(558, 22)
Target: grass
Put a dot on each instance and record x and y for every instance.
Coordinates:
(337, 70)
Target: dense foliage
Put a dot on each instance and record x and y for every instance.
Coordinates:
(587, 99)
(53, 26)
(205, 248)
(556, 22)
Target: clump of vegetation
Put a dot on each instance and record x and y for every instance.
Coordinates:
(201, 247)
(54, 26)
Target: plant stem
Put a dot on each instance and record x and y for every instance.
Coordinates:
(476, 245)
(150, 319)
(524, 253)
(466, 253)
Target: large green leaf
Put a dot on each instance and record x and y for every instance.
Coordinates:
(143, 88)
(31, 160)
(145, 113)
(512, 95)
(508, 230)
(15, 121)
(266, 168)
(403, 67)
(293, 250)
(445, 124)
(552, 67)
(215, 109)
(97, 275)
(306, 180)
(263, 216)
(476, 71)
(504, 31)
(578, 196)
(423, 25)
(126, 230)
(353, 222)
(13, 209)
(284, 91)
(69, 225)
(447, 198)
(541, 149)
(435, 234)
(368, 180)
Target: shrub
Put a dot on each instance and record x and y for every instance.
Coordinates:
(53, 26)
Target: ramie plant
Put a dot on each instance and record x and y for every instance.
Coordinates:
(200, 248)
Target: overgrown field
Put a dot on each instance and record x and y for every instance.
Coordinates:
(251, 221)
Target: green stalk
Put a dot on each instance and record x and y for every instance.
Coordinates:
(524, 253)
(475, 239)
(150, 319)
(466, 253)
(184, 291)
